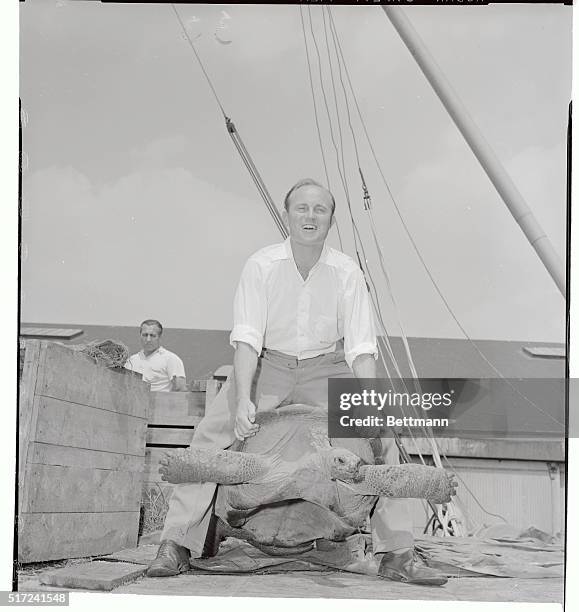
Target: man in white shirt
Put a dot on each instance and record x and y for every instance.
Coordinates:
(161, 368)
(295, 304)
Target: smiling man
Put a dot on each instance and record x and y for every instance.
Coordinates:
(161, 368)
(301, 315)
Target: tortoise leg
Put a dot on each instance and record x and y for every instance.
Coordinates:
(408, 480)
(186, 465)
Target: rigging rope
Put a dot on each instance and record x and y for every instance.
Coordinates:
(357, 237)
(482, 355)
(188, 38)
(415, 246)
(427, 430)
(314, 100)
(344, 185)
(328, 183)
(360, 246)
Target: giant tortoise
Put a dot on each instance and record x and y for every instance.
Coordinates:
(290, 485)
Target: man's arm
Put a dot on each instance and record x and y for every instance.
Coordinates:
(359, 329)
(244, 368)
(179, 383)
(176, 372)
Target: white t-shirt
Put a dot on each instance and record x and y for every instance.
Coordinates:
(274, 307)
(158, 368)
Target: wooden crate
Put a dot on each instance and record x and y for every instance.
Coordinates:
(82, 430)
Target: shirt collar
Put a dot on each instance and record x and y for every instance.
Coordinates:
(290, 255)
(160, 350)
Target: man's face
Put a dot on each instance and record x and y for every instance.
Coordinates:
(309, 215)
(150, 338)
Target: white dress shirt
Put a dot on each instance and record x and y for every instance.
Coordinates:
(275, 308)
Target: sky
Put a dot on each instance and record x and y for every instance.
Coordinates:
(136, 203)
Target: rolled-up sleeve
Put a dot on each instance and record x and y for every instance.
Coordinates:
(359, 326)
(249, 308)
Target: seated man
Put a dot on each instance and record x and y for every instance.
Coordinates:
(296, 303)
(161, 368)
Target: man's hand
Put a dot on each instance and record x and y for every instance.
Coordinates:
(179, 383)
(245, 420)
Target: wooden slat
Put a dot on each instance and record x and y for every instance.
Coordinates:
(185, 409)
(27, 412)
(44, 537)
(61, 333)
(68, 424)
(169, 435)
(165, 416)
(49, 454)
(55, 488)
(190, 402)
(74, 377)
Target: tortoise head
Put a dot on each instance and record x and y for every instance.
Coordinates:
(344, 464)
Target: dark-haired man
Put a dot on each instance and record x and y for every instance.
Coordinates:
(302, 315)
(161, 368)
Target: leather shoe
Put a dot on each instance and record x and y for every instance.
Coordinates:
(172, 559)
(408, 567)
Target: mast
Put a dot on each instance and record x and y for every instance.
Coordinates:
(496, 172)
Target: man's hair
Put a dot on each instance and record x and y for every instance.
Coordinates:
(303, 183)
(152, 322)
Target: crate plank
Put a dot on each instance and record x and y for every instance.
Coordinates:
(51, 454)
(169, 435)
(74, 377)
(191, 402)
(55, 488)
(67, 424)
(26, 411)
(45, 537)
(168, 416)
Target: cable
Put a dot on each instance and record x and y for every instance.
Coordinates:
(342, 178)
(198, 59)
(317, 120)
(427, 431)
(369, 212)
(334, 91)
(417, 250)
(342, 172)
(314, 99)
